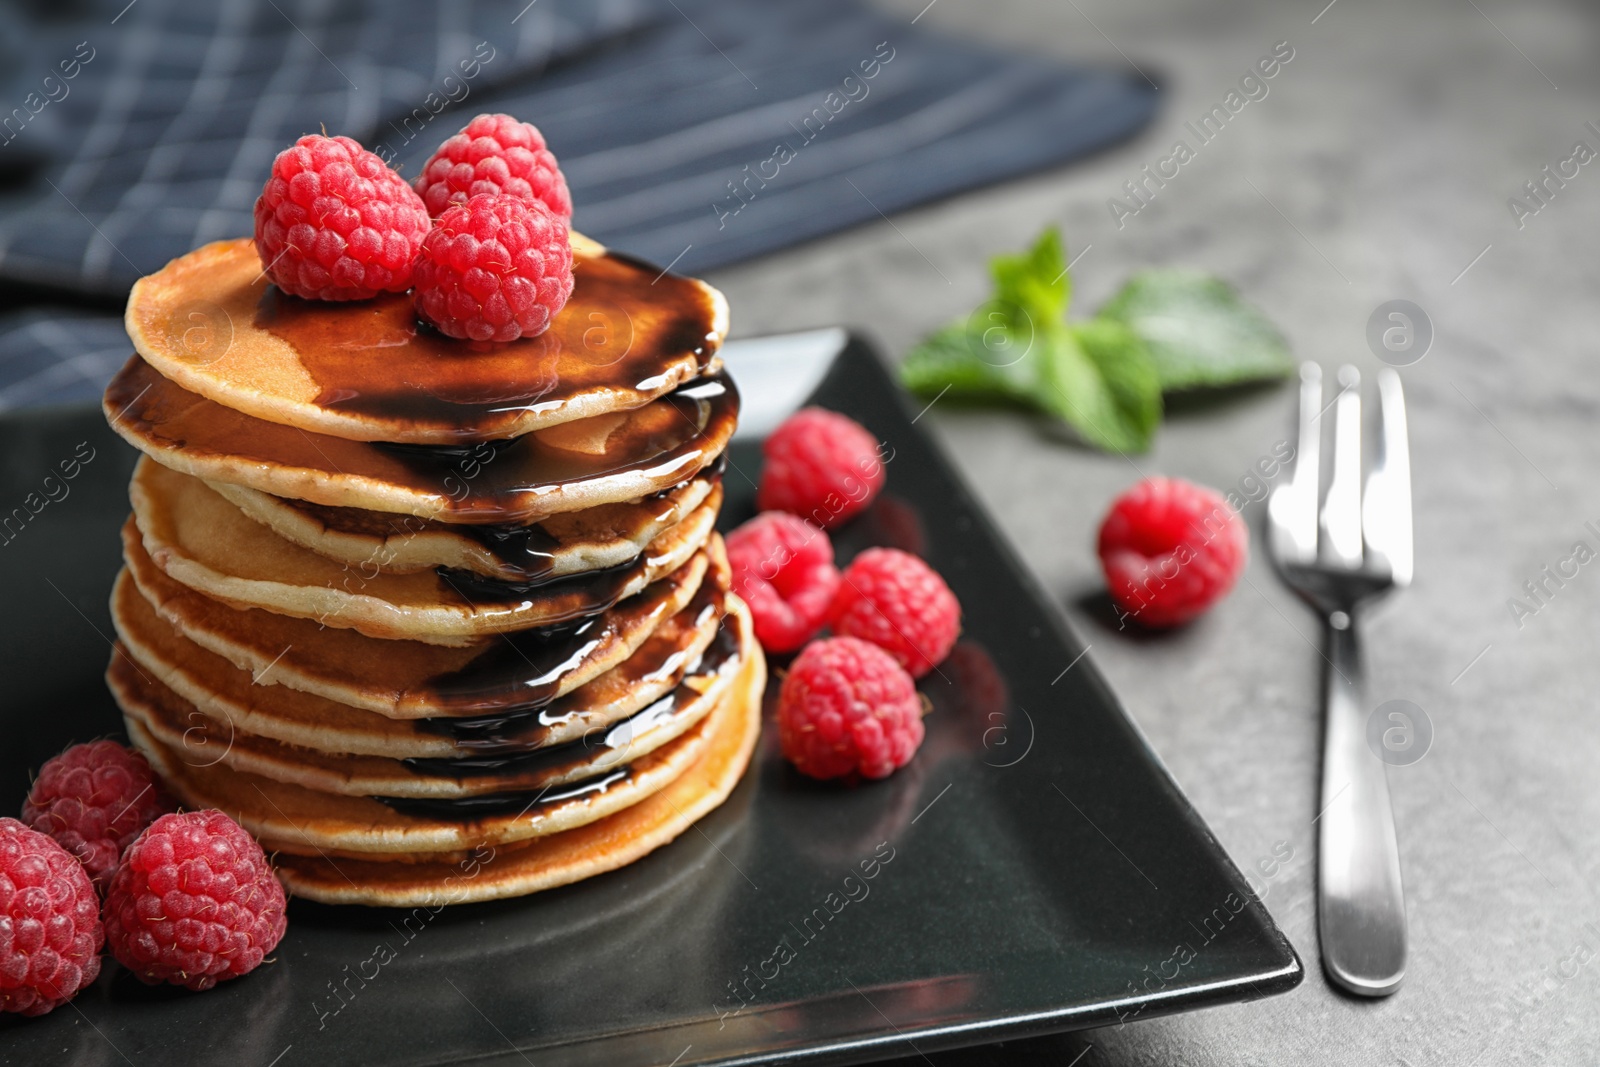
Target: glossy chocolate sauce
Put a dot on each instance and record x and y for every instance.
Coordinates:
(711, 472)
(627, 328)
(491, 805)
(590, 591)
(529, 550)
(509, 482)
(532, 769)
(523, 672)
(522, 774)
(513, 733)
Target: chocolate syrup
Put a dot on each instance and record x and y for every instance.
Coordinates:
(627, 326)
(523, 672)
(516, 804)
(711, 472)
(528, 550)
(589, 592)
(532, 769)
(723, 647)
(522, 731)
(512, 482)
(522, 774)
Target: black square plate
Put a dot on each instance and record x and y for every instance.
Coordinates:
(1033, 869)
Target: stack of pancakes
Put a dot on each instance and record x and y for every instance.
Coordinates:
(435, 620)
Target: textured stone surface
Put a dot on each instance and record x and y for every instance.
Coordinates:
(1390, 144)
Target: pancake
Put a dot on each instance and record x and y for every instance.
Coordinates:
(201, 739)
(508, 871)
(450, 615)
(368, 371)
(603, 459)
(198, 538)
(605, 536)
(226, 694)
(413, 679)
(300, 821)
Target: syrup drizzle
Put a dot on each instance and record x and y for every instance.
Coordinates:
(490, 805)
(521, 775)
(527, 550)
(504, 482)
(524, 671)
(627, 326)
(528, 729)
(520, 771)
(589, 592)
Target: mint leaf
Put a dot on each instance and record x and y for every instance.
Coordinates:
(1198, 331)
(1166, 330)
(1100, 380)
(953, 360)
(994, 353)
(1035, 282)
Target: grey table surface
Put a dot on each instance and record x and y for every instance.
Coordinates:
(1379, 166)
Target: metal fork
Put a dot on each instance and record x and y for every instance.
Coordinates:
(1364, 551)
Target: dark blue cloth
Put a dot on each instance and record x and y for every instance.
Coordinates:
(692, 132)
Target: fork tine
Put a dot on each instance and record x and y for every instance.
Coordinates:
(1341, 511)
(1386, 510)
(1292, 508)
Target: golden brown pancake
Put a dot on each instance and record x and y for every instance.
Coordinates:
(198, 538)
(605, 536)
(368, 371)
(291, 818)
(226, 694)
(495, 872)
(198, 738)
(405, 605)
(602, 459)
(413, 679)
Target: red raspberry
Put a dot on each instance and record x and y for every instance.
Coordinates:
(335, 223)
(494, 269)
(1171, 549)
(822, 465)
(846, 705)
(194, 903)
(900, 604)
(94, 800)
(494, 154)
(50, 932)
(783, 568)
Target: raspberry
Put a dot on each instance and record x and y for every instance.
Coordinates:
(335, 223)
(822, 465)
(494, 269)
(94, 800)
(846, 705)
(50, 932)
(194, 903)
(900, 604)
(494, 154)
(783, 568)
(1171, 549)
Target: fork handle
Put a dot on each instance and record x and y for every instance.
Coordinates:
(1360, 906)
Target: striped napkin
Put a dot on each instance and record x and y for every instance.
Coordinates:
(692, 132)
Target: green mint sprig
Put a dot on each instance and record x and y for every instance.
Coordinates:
(1165, 331)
